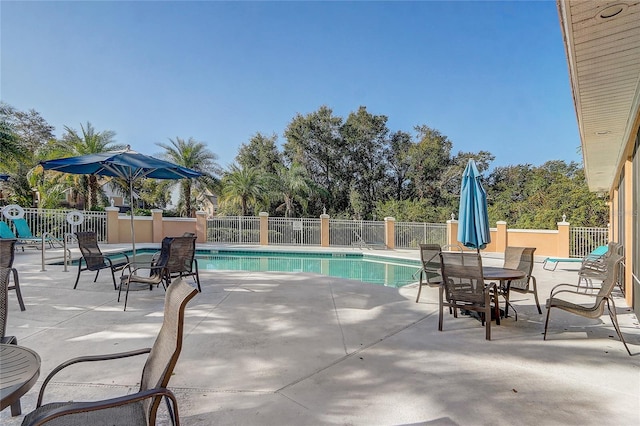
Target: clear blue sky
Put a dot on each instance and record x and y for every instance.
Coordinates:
(489, 75)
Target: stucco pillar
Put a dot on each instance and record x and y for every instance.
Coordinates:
(112, 225)
(502, 237)
(264, 228)
(201, 226)
(324, 230)
(563, 239)
(452, 232)
(390, 232)
(157, 230)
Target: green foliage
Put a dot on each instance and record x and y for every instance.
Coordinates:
(353, 168)
(196, 156)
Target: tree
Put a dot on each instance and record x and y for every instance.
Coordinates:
(244, 187)
(365, 135)
(399, 161)
(260, 152)
(292, 186)
(314, 142)
(196, 156)
(89, 141)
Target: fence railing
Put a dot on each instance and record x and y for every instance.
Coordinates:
(54, 222)
(362, 233)
(583, 240)
(409, 234)
(234, 229)
(294, 231)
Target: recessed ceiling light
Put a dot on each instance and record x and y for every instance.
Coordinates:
(611, 11)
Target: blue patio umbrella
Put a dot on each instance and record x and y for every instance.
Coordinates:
(126, 164)
(473, 219)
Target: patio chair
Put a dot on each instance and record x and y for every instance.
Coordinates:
(7, 234)
(430, 273)
(182, 261)
(587, 302)
(95, 260)
(463, 287)
(141, 407)
(23, 232)
(152, 274)
(7, 254)
(520, 258)
(4, 308)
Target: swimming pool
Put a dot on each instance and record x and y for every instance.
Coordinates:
(381, 270)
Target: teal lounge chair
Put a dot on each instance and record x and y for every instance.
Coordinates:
(6, 232)
(596, 254)
(26, 236)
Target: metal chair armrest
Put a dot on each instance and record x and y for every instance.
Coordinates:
(79, 407)
(89, 358)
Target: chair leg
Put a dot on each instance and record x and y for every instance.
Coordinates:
(440, 309)
(546, 322)
(487, 325)
(78, 277)
(614, 320)
(96, 278)
(16, 287)
(419, 288)
(126, 295)
(197, 276)
(113, 277)
(535, 294)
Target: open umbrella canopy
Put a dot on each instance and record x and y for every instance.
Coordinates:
(125, 164)
(473, 218)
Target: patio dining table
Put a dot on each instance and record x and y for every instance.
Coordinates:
(19, 370)
(504, 276)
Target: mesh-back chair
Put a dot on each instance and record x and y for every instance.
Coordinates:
(7, 254)
(430, 273)
(463, 287)
(182, 261)
(94, 259)
(135, 409)
(589, 303)
(4, 308)
(152, 274)
(520, 258)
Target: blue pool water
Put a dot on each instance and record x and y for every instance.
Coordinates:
(379, 270)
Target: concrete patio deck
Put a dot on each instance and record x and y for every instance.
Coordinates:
(303, 349)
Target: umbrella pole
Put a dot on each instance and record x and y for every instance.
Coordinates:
(133, 235)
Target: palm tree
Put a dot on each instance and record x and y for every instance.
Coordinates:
(292, 186)
(196, 156)
(88, 142)
(243, 187)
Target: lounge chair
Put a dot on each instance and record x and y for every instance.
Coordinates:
(596, 269)
(23, 232)
(520, 258)
(596, 254)
(7, 234)
(430, 273)
(95, 260)
(463, 287)
(588, 303)
(7, 254)
(139, 408)
(4, 308)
